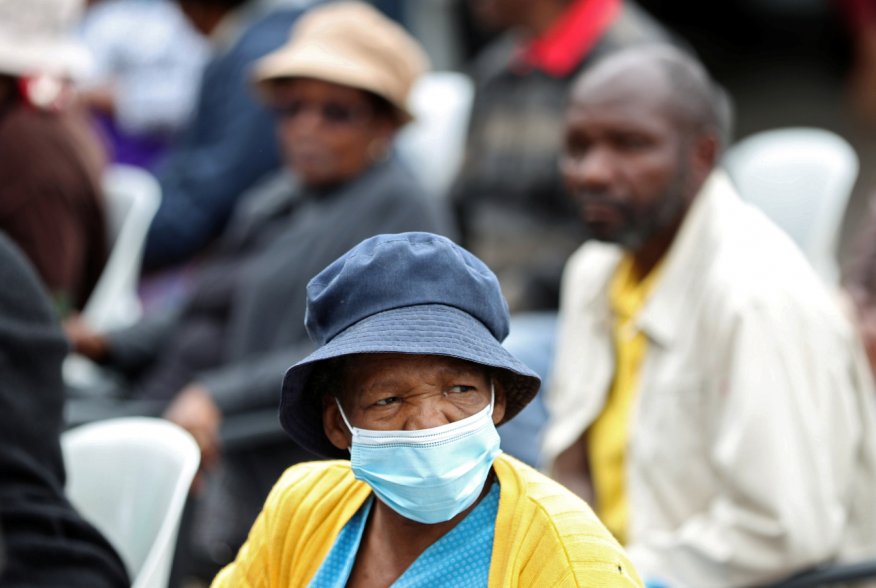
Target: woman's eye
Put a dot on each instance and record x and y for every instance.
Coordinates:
(462, 388)
(387, 401)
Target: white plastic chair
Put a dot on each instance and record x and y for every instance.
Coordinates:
(132, 198)
(130, 478)
(802, 179)
(433, 145)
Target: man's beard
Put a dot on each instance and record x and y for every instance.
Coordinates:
(638, 227)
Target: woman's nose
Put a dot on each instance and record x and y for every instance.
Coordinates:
(427, 415)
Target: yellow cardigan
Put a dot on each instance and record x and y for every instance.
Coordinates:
(545, 536)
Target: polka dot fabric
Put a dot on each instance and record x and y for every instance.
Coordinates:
(461, 558)
(336, 568)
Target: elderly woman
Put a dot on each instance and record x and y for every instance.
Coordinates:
(410, 381)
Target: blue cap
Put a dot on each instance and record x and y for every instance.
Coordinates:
(415, 293)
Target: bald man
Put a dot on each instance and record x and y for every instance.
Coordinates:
(707, 396)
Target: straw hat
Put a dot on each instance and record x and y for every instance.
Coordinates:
(351, 44)
(36, 38)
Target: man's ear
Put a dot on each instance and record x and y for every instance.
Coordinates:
(704, 156)
(333, 424)
(499, 402)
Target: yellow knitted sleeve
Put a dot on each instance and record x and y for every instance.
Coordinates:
(546, 536)
(297, 527)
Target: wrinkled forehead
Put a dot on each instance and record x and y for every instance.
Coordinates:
(606, 112)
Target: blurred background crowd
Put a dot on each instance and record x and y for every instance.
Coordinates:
(177, 170)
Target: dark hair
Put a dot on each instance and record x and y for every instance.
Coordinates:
(382, 107)
(9, 92)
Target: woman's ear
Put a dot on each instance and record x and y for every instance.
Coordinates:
(333, 424)
(499, 401)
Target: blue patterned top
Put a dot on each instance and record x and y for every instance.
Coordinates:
(460, 558)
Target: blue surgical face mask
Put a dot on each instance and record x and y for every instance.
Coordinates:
(430, 475)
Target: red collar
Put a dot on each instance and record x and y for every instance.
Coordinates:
(561, 48)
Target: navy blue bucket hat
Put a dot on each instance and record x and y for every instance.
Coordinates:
(415, 293)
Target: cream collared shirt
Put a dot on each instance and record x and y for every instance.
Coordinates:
(752, 448)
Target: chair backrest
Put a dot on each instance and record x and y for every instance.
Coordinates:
(802, 179)
(132, 198)
(433, 145)
(130, 478)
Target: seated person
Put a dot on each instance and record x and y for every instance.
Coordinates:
(859, 282)
(509, 194)
(45, 541)
(148, 63)
(410, 381)
(708, 394)
(51, 204)
(229, 143)
(339, 91)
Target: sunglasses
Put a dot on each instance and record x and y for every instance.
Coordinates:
(331, 113)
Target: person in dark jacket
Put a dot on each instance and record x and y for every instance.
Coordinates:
(508, 195)
(230, 143)
(46, 542)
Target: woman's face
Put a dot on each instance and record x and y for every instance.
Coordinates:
(329, 133)
(403, 392)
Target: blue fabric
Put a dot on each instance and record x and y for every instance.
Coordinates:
(394, 9)
(404, 293)
(461, 558)
(336, 569)
(427, 475)
(229, 145)
(434, 270)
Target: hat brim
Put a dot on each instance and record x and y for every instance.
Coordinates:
(313, 61)
(431, 329)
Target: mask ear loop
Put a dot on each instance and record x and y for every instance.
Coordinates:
(492, 395)
(343, 416)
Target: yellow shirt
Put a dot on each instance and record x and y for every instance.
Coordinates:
(545, 535)
(608, 435)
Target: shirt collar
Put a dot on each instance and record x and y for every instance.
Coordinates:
(627, 293)
(688, 258)
(692, 251)
(561, 48)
